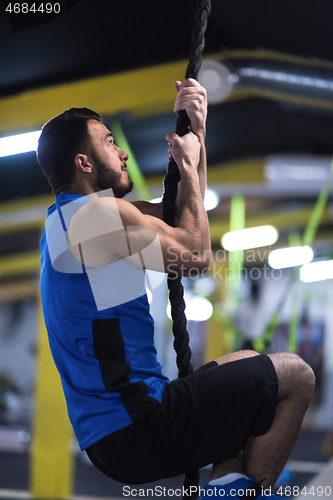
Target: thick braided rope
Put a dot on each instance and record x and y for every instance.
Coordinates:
(176, 291)
(181, 342)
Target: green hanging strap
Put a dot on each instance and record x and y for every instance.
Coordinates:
(133, 168)
(235, 264)
(308, 238)
(313, 224)
(236, 258)
(262, 343)
(295, 240)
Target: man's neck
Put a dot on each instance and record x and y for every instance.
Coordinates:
(78, 189)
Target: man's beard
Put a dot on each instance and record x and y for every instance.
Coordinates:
(106, 179)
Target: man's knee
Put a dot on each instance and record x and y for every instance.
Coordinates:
(247, 353)
(235, 356)
(294, 375)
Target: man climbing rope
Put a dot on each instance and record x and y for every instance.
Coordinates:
(241, 412)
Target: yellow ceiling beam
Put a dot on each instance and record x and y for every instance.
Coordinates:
(281, 96)
(26, 203)
(247, 171)
(143, 92)
(27, 262)
(30, 213)
(282, 220)
(273, 56)
(140, 91)
(234, 172)
(20, 263)
(11, 292)
(22, 215)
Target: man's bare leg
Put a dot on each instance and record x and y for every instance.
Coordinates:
(265, 456)
(234, 463)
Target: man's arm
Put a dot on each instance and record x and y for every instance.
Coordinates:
(147, 208)
(184, 248)
(191, 97)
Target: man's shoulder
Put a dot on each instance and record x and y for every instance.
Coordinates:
(148, 208)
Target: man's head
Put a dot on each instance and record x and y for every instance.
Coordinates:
(76, 150)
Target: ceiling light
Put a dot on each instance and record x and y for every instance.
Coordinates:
(211, 200)
(21, 143)
(279, 76)
(290, 257)
(316, 271)
(295, 172)
(217, 80)
(253, 237)
(156, 200)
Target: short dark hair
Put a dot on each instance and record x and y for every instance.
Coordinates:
(63, 137)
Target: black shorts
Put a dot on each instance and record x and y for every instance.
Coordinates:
(202, 419)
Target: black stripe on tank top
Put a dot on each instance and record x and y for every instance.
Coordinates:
(110, 353)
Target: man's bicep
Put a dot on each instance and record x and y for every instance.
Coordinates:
(110, 230)
(151, 232)
(107, 230)
(147, 208)
(97, 238)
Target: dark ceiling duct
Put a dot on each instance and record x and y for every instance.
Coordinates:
(301, 81)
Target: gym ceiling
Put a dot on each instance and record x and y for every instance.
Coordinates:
(121, 57)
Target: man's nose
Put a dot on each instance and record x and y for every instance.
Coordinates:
(123, 155)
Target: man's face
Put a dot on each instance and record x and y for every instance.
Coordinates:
(109, 161)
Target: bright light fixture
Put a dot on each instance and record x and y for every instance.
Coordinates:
(156, 200)
(211, 200)
(21, 143)
(286, 77)
(290, 257)
(196, 308)
(253, 237)
(316, 271)
(296, 172)
(217, 80)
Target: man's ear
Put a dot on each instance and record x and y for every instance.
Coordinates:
(82, 163)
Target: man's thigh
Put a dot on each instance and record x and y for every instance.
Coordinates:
(202, 419)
